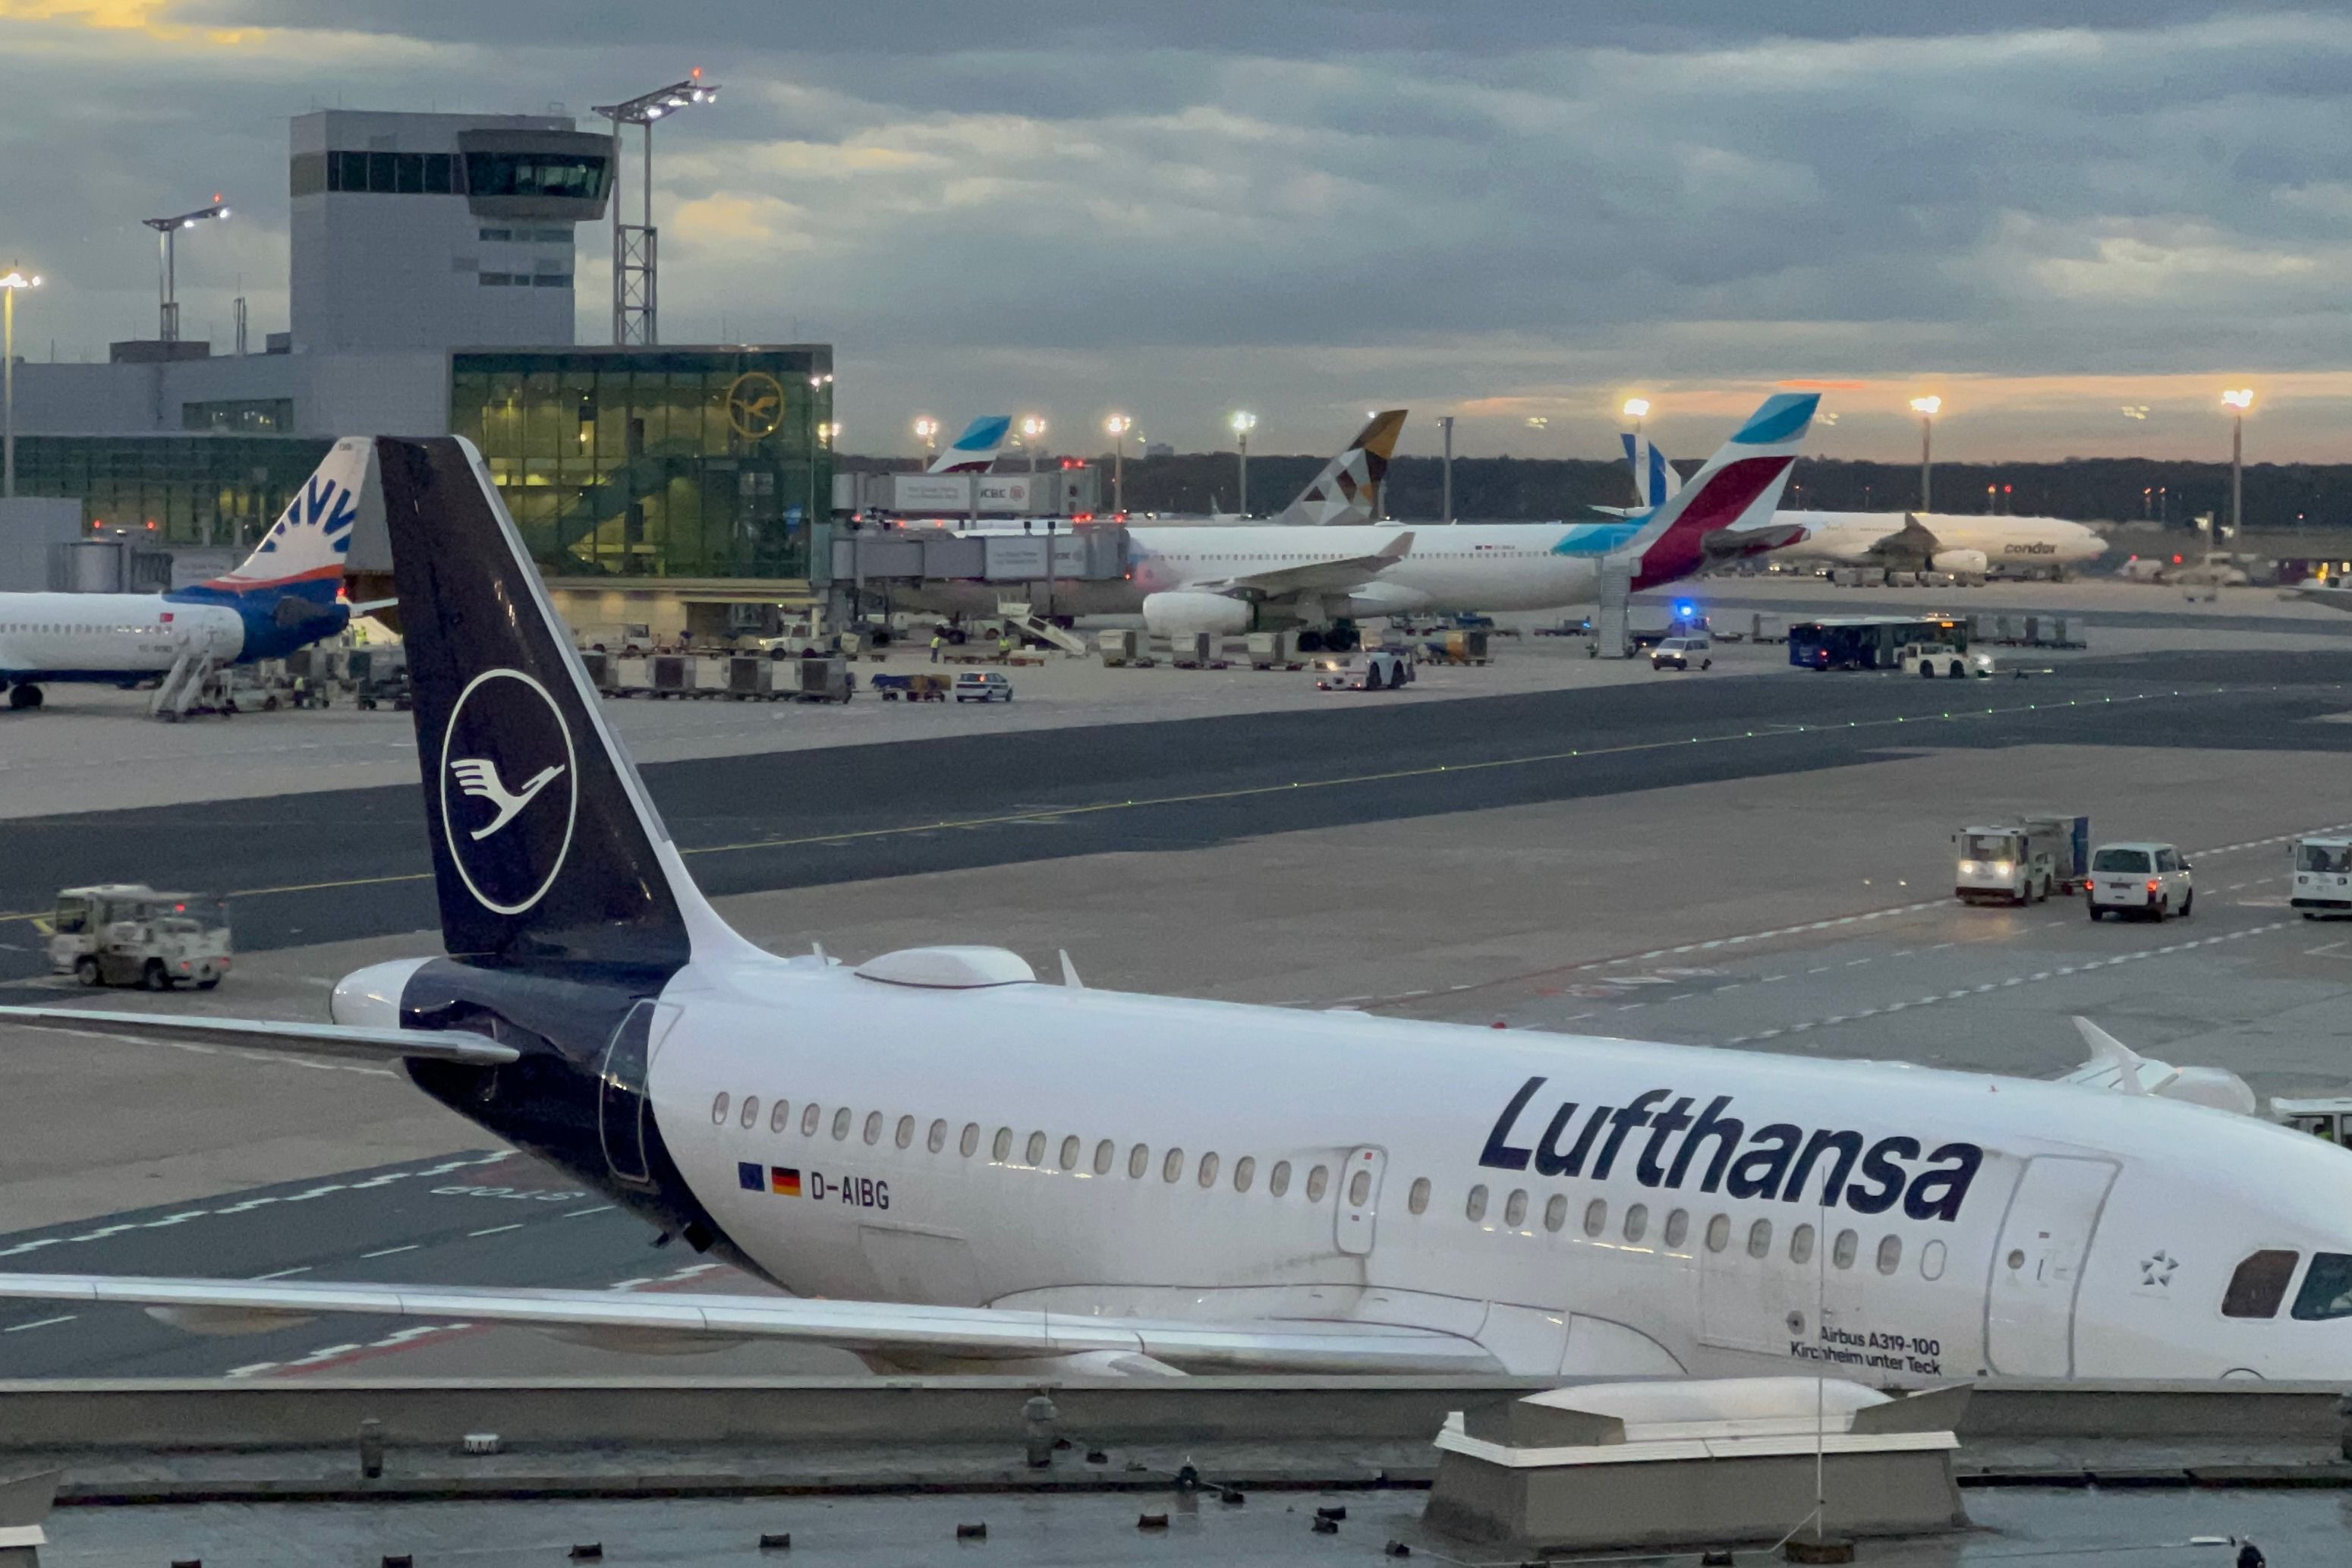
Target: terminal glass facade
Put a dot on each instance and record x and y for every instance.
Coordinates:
(654, 462)
(213, 490)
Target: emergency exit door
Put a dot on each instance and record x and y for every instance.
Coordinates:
(2038, 1263)
(1360, 1198)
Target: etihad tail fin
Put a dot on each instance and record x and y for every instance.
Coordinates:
(1349, 487)
(1655, 479)
(1743, 480)
(976, 449)
(547, 850)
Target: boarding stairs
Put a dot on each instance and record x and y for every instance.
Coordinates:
(181, 685)
(1023, 618)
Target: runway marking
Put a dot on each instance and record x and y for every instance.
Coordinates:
(388, 1251)
(575, 1214)
(282, 1274)
(2072, 969)
(38, 1323)
(1254, 791)
(496, 1229)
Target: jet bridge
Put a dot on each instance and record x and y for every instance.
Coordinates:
(1004, 568)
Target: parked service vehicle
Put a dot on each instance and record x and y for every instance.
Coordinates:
(982, 686)
(1382, 669)
(2149, 880)
(1930, 659)
(1682, 653)
(2021, 862)
(2323, 876)
(130, 934)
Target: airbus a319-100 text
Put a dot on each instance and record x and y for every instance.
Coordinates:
(1006, 1173)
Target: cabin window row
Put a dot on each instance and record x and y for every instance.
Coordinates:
(1635, 1226)
(1037, 1150)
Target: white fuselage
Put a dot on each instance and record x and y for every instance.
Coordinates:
(1463, 567)
(2005, 543)
(1089, 1151)
(101, 636)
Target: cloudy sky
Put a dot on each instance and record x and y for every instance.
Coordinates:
(2076, 232)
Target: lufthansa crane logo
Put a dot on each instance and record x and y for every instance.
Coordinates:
(509, 790)
(755, 405)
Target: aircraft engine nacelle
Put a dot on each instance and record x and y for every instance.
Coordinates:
(1960, 562)
(1176, 614)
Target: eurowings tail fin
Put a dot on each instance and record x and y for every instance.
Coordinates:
(1349, 489)
(976, 449)
(547, 850)
(1744, 479)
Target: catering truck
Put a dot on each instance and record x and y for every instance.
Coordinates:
(2021, 861)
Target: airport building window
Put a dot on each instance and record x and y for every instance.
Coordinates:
(750, 1117)
(1070, 1147)
(1890, 1254)
(389, 173)
(1847, 1246)
(1637, 1222)
(811, 1119)
(1037, 1151)
(1760, 1238)
(1678, 1226)
(1208, 1171)
(1800, 1244)
(1138, 1159)
(1106, 1151)
(906, 1132)
(1596, 1216)
(970, 1143)
(2326, 1289)
(570, 177)
(243, 415)
(780, 1116)
(1277, 1181)
(718, 1110)
(1318, 1182)
(1556, 1212)
(1475, 1208)
(1515, 1207)
(499, 279)
(2259, 1284)
(1001, 1150)
(1245, 1172)
(1171, 1169)
(841, 1123)
(1417, 1200)
(939, 1136)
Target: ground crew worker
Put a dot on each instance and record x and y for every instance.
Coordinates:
(939, 641)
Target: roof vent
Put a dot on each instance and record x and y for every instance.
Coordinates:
(949, 968)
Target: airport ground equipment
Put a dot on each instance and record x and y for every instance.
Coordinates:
(181, 692)
(982, 686)
(1460, 646)
(1612, 633)
(2321, 882)
(1021, 617)
(1376, 670)
(2138, 877)
(822, 679)
(1194, 651)
(2021, 861)
(1682, 653)
(1868, 642)
(127, 934)
(917, 688)
(1125, 646)
(1930, 659)
(1275, 650)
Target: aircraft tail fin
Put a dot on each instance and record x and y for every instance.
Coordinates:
(1655, 479)
(976, 449)
(302, 554)
(1743, 479)
(1348, 490)
(547, 850)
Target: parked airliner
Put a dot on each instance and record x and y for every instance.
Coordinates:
(283, 598)
(956, 1165)
(1910, 541)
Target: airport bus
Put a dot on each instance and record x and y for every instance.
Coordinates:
(1869, 642)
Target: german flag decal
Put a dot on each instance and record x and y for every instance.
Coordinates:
(784, 1181)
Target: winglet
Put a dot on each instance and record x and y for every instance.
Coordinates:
(2108, 1051)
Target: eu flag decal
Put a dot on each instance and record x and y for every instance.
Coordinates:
(747, 1176)
(785, 1181)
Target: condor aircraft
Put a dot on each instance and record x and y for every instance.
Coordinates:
(1012, 1174)
(284, 596)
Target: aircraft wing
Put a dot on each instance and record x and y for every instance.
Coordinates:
(1333, 574)
(293, 1039)
(2327, 593)
(888, 1329)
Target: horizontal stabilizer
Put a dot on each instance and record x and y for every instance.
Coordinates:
(292, 1039)
(878, 1327)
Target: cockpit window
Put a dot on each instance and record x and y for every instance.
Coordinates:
(2326, 1289)
(2259, 1284)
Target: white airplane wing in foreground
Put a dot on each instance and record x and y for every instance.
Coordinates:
(1323, 575)
(877, 1328)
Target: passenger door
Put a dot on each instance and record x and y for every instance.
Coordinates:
(1360, 1199)
(2038, 1263)
(620, 1099)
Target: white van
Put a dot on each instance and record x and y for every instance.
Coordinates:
(2322, 877)
(2149, 880)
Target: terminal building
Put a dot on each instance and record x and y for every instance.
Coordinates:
(433, 289)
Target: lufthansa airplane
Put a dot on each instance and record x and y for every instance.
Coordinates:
(954, 1165)
(283, 598)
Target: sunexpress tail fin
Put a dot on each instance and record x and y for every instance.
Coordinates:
(546, 849)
